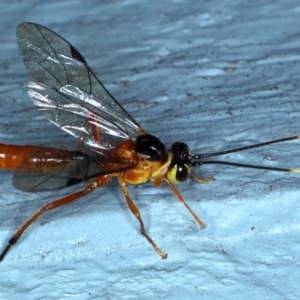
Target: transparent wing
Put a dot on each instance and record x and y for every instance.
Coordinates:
(68, 92)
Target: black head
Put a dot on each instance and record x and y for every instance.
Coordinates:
(180, 166)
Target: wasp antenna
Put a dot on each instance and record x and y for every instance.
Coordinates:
(200, 159)
(249, 166)
(202, 156)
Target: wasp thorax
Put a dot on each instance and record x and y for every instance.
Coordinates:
(151, 147)
(180, 166)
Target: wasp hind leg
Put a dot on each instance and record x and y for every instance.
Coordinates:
(98, 182)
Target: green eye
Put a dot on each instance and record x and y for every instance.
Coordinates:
(178, 173)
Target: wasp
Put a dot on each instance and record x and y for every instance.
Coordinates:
(110, 143)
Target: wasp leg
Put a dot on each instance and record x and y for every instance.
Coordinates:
(96, 133)
(102, 180)
(180, 198)
(201, 180)
(133, 208)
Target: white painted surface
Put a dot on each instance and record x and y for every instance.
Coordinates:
(212, 74)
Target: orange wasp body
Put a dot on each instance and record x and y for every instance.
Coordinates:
(110, 142)
(13, 157)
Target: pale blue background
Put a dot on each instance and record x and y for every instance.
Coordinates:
(214, 74)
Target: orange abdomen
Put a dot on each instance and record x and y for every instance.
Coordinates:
(12, 156)
(32, 158)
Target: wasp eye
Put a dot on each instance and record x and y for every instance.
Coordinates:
(180, 166)
(178, 173)
(182, 172)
